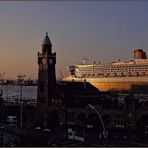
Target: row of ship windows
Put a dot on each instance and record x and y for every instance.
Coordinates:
(114, 68)
(110, 74)
(111, 71)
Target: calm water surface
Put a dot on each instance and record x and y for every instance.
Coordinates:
(28, 92)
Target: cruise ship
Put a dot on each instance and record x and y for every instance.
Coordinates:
(115, 76)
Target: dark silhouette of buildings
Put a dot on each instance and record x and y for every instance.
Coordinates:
(65, 104)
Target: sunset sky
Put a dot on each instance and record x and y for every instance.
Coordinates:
(101, 31)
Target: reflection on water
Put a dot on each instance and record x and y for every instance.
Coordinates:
(28, 92)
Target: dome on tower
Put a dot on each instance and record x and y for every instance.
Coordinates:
(46, 40)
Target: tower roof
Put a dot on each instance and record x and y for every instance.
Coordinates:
(46, 40)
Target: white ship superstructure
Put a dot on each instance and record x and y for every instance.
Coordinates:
(115, 69)
(115, 75)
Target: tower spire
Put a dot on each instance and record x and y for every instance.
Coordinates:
(46, 40)
(46, 44)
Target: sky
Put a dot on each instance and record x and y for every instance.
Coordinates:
(100, 31)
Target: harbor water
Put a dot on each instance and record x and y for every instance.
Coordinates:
(28, 92)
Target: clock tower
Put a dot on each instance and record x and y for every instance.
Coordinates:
(46, 80)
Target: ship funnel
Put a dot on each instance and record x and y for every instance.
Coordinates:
(139, 54)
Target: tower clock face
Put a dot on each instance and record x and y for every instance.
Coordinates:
(43, 61)
(50, 61)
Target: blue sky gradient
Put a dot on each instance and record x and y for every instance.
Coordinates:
(101, 31)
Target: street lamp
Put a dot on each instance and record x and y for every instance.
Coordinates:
(104, 130)
(20, 82)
